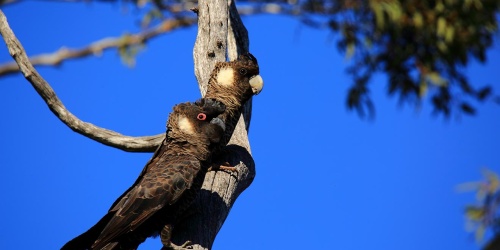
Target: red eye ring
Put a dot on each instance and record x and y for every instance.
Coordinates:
(201, 116)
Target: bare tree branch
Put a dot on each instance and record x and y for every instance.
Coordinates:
(96, 48)
(219, 27)
(104, 136)
(3, 3)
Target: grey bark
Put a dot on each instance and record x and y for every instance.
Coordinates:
(220, 30)
(96, 48)
(221, 36)
(102, 135)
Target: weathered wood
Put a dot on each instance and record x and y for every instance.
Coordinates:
(102, 135)
(211, 41)
(218, 30)
(96, 48)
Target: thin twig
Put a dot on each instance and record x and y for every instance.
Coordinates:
(98, 47)
(104, 136)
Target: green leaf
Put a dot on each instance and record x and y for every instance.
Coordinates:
(418, 20)
(441, 27)
(439, 6)
(474, 213)
(450, 34)
(151, 16)
(393, 9)
(442, 46)
(480, 233)
(379, 13)
(127, 51)
(478, 4)
(422, 91)
(467, 4)
(350, 50)
(493, 181)
(436, 79)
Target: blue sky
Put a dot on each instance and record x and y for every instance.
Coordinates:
(325, 178)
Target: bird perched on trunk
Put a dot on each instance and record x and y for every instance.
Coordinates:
(167, 185)
(233, 84)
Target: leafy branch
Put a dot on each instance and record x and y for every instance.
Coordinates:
(484, 215)
(125, 44)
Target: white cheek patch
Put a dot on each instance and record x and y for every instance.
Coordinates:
(225, 77)
(185, 125)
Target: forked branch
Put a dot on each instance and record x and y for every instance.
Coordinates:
(96, 48)
(220, 30)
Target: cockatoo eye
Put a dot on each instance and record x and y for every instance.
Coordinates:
(201, 116)
(243, 71)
